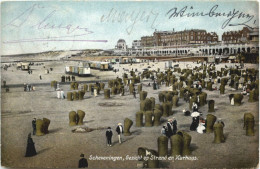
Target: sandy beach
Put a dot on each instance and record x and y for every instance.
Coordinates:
(61, 148)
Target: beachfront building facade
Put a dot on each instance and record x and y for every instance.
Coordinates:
(197, 42)
(172, 38)
(234, 37)
(254, 35)
(136, 44)
(186, 37)
(136, 47)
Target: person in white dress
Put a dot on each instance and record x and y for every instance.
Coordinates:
(58, 94)
(200, 128)
(95, 92)
(232, 101)
(184, 85)
(62, 94)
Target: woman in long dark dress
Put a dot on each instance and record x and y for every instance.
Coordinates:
(194, 124)
(30, 149)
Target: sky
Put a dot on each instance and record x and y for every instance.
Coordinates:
(38, 26)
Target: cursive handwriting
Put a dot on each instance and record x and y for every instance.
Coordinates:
(244, 18)
(71, 31)
(44, 24)
(132, 17)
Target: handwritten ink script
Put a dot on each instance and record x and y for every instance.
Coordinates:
(67, 32)
(133, 17)
(240, 17)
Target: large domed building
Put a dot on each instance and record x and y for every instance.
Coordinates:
(121, 45)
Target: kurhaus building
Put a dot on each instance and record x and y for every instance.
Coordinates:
(172, 38)
(197, 42)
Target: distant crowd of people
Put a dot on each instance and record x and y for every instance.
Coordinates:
(198, 123)
(28, 87)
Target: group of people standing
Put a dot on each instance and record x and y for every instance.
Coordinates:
(92, 89)
(68, 79)
(60, 94)
(198, 123)
(28, 87)
(245, 88)
(109, 134)
(170, 128)
(83, 163)
(30, 71)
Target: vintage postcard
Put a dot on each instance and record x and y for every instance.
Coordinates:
(130, 84)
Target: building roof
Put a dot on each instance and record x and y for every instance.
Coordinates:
(121, 41)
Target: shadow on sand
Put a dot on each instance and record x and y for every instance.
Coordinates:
(136, 132)
(43, 150)
(193, 147)
(88, 121)
(54, 130)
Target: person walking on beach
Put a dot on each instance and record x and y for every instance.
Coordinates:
(4, 82)
(62, 94)
(109, 135)
(169, 128)
(163, 130)
(55, 86)
(24, 87)
(29, 87)
(58, 93)
(154, 85)
(134, 93)
(119, 130)
(34, 125)
(30, 149)
(92, 90)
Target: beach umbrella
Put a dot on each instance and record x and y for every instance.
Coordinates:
(195, 114)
